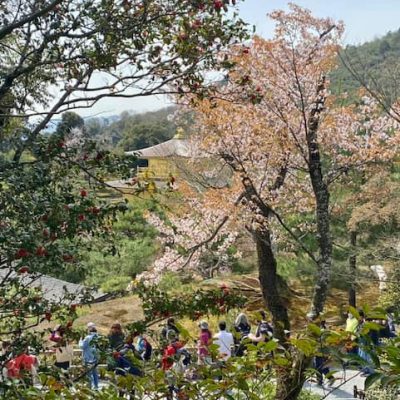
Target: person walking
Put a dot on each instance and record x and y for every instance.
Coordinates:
(90, 355)
(242, 328)
(242, 325)
(224, 341)
(168, 332)
(64, 350)
(202, 344)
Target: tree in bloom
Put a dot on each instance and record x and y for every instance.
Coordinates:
(288, 141)
(192, 242)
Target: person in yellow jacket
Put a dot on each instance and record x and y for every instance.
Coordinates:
(351, 327)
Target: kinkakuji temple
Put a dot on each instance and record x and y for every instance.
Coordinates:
(161, 162)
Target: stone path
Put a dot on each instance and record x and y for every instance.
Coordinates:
(342, 388)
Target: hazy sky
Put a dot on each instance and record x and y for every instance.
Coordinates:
(364, 20)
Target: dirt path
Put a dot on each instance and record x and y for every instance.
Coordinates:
(123, 310)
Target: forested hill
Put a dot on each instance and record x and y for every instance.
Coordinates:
(131, 131)
(378, 62)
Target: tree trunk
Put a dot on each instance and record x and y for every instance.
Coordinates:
(321, 195)
(352, 269)
(290, 378)
(271, 283)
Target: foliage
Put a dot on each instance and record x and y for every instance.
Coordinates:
(307, 395)
(376, 62)
(158, 304)
(69, 121)
(381, 393)
(131, 251)
(390, 298)
(133, 131)
(52, 55)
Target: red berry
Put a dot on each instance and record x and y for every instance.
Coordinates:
(23, 270)
(94, 210)
(81, 217)
(21, 253)
(84, 193)
(41, 251)
(218, 4)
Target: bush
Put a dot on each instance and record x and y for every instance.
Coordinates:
(116, 283)
(381, 393)
(391, 297)
(307, 395)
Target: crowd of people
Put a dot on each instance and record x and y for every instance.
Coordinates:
(128, 352)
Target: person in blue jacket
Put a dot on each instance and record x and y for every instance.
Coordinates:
(90, 355)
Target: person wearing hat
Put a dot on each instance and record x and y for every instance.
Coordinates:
(205, 339)
(90, 355)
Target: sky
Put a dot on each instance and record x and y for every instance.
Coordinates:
(364, 21)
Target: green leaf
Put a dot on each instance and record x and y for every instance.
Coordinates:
(242, 384)
(315, 329)
(354, 312)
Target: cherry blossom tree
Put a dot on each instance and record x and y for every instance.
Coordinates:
(289, 141)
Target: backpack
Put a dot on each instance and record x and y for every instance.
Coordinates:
(186, 356)
(265, 328)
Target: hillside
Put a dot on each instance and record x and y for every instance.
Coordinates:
(132, 131)
(376, 62)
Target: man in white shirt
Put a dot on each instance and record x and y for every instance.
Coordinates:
(224, 340)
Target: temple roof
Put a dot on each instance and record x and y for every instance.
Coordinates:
(55, 290)
(178, 146)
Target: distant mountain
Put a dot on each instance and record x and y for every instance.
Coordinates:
(376, 62)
